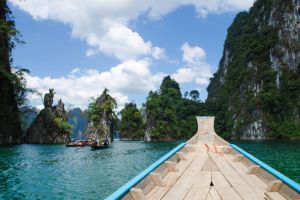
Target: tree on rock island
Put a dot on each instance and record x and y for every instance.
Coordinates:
(51, 125)
(161, 111)
(100, 117)
(132, 126)
(168, 115)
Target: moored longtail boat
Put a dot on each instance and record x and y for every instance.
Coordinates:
(209, 168)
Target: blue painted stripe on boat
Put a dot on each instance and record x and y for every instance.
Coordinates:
(125, 188)
(269, 169)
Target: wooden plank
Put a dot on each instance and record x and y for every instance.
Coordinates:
(219, 180)
(254, 181)
(274, 186)
(127, 197)
(237, 182)
(210, 165)
(156, 193)
(209, 197)
(274, 196)
(157, 179)
(171, 166)
(137, 194)
(288, 192)
(228, 193)
(184, 183)
(214, 194)
(146, 185)
(238, 158)
(202, 179)
(253, 169)
(172, 177)
(258, 185)
(197, 193)
(181, 156)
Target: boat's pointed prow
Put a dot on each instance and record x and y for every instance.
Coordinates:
(208, 167)
(205, 124)
(206, 132)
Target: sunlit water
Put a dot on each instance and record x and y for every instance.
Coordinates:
(56, 172)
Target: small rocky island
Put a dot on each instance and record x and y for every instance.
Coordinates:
(100, 117)
(50, 126)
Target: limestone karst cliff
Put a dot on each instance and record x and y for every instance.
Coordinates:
(10, 124)
(101, 117)
(255, 93)
(50, 126)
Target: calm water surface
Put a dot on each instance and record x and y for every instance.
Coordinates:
(282, 155)
(56, 172)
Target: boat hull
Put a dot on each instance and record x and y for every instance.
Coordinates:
(208, 167)
(94, 147)
(75, 145)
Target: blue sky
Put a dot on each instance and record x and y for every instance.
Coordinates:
(80, 47)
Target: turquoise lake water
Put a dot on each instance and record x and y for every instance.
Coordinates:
(56, 172)
(282, 155)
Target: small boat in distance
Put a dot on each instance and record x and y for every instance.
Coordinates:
(77, 143)
(100, 145)
(95, 147)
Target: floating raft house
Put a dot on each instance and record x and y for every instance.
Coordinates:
(208, 168)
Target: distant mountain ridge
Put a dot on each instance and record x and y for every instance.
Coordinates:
(28, 114)
(255, 93)
(78, 120)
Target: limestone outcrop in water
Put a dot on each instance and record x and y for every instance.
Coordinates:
(50, 126)
(255, 93)
(101, 117)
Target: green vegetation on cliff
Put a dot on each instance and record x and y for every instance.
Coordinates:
(168, 115)
(132, 125)
(12, 87)
(101, 116)
(51, 124)
(256, 91)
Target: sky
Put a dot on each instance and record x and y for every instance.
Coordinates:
(81, 47)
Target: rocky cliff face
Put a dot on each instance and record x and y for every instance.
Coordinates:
(46, 128)
(255, 93)
(100, 122)
(10, 125)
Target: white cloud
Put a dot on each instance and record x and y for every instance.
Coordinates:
(158, 8)
(104, 25)
(195, 69)
(192, 55)
(158, 53)
(127, 78)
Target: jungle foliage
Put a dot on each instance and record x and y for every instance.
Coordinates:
(132, 124)
(12, 85)
(168, 115)
(101, 110)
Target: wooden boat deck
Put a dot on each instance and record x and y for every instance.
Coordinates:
(207, 168)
